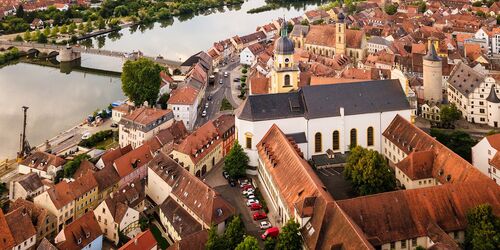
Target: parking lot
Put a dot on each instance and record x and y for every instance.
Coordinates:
(333, 178)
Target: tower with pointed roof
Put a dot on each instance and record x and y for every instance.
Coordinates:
(340, 33)
(284, 73)
(433, 75)
(493, 104)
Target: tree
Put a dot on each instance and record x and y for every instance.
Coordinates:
(250, 243)
(141, 81)
(449, 114)
(80, 26)
(27, 35)
(20, 11)
(458, 141)
(42, 38)
(89, 27)
(163, 100)
(270, 243)
(215, 242)
(71, 166)
(289, 237)
(46, 31)
(391, 9)
(368, 172)
(236, 161)
(483, 229)
(18, 38)
(422, 7)
(234, 233)
(64, 29)
(71, 28)
(101, 24)
(54, 31)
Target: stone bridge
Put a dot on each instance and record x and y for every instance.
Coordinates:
(71, 53)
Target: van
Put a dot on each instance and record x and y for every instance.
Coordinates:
(270, 232)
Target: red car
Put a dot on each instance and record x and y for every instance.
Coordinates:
(255, 206)
(259, 215)
(247, 186)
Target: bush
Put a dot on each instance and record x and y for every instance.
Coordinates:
(244, 71)
(96, 138)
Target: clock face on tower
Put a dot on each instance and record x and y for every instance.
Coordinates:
(287, 60)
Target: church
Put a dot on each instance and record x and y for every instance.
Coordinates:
(324, 118)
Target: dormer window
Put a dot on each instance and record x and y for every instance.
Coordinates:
(87, 235)
(79, 241)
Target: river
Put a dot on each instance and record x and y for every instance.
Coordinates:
(59, 101)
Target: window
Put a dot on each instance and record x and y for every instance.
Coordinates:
(336, 141)
(369, 133)
(354, 138)
(403, 244)
(287, 80)
(249, 142)
(317, 142)
(413, 242)
(481, 111)
(393, 245)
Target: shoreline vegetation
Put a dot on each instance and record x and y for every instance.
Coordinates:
(8, 56)
(263, 8)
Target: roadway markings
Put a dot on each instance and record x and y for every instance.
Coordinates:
(329, 172)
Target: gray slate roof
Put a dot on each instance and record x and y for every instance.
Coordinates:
(298, 137)
(313, 102)
(431, 54)
(492, 97)
(379, 40)
(30, 182)
(465, 79)
(299, 30)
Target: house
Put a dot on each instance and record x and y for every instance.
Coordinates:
(419, 160)
(132, 166)
(119, 111)
(377, 43)
(201, 58)
(249, 54)
(37, 24)
(110, 156)
(115, 215)
(43, 221)
(193, 241)
(486, 157)
(142, 124)
(475, 95)
(356, 114)
(107, 182)
(59, 201)
(165, 140)
(6, 238)
(313, 16)
(226, 130)
(85, 193)
(270, 29)
(44, 164)
(21, 227)
(187, 204)
(166, 84)
(184, 103)
(25, 187)
(143, 241)
(298, 35)
(241, 42)
(83, 233)
(200, 151)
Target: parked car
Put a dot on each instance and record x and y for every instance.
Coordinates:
(206, 105)
(270, 232)
(244, 182)
(86, 135)
(251, 196)
(226, 74)
(232, 182)
(250, 202)
(255, 206)
(204, 113)
(225, 174)
(209, 98)
(247, 186)
(114, 125)
(248, 195)
(259, 215)
(236, 80)
(265, 225)
(247, 191)
(220, 81)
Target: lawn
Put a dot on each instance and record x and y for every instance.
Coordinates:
(226, 105)
(162, 242)
(107, 144)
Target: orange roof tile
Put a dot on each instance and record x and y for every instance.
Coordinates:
(6, 237)
(84, 229)
(195, 144)
(143, 241)
(20, 225)
(132, 160)
(494, 141)
(418, 165)
(185, 95)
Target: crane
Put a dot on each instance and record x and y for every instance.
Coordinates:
(24, 146)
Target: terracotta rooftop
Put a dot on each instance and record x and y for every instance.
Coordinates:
(417, 165)
(46, 245)
(6, 238)
(322, 35)
(224, 123)
(494, 141)
(200, 198)
(143, 241)
(185, 95)
(84, 230)
(37, 214)
(407, 214)
(194, 241)
(124, 108)
(182, 222)
(41, 160)
(106, 178)
(20, 225)
(194, 144)
(495, 161)
(110, 156)
(131, 195)
(136, 158)
(447, 166)
(61, 194)
(146, 118)
(259, 84)
(83, 184)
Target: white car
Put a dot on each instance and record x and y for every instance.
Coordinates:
(248, 191)
(206, 105)
(251, 196)
(265, 225)
(251, 201)
(86, 135)
(204, 113)
(226, 74)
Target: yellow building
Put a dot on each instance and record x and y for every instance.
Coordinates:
(86, 194)
(284, 73)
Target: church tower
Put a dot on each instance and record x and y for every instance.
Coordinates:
(433, 75)
(340, 43)
(284, 73)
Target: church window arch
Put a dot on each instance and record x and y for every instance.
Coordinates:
(317, 142)
(287, 80)
(369, 134)
(336, 140)
(354, 137)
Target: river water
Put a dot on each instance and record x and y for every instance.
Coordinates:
(59, 101)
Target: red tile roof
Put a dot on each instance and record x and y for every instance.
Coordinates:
(259, 83)
(194, 241)
(494, 141)
(6, 237)
(196, 142)
(143, 241)
(20, 225)
(109, 157)
(146, 115)
(41, 160)
(417, 165)
(185, 95)
(132, 160)
(84, 229)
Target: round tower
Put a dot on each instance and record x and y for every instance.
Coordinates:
(493, 103)
(284, 73)
(433, 76)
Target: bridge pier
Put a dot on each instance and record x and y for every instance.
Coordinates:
(68, 54)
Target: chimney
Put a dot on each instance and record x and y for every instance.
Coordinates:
(342, 112)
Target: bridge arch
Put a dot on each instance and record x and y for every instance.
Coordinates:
(53, 54)
(33, 51)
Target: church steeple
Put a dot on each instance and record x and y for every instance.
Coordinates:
(284, 73)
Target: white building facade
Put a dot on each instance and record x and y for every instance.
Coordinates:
(484, 155)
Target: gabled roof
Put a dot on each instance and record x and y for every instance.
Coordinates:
(106, 178)
(195, 144)
(6, 237)
(46, 245)
(417, 165)
(84, 230)
(30, 182)
(447, 166)
(146, 118)
(185, 95)
(196, 195)
(136, 158)
(465, 79)
(194, 241)
(41, 160)
(83, 184)
(38, 215)
(494, 141)
(20, 225)
(143, 241)
(61, 194)
(407, 214)
(182, 222)
(109, 157)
